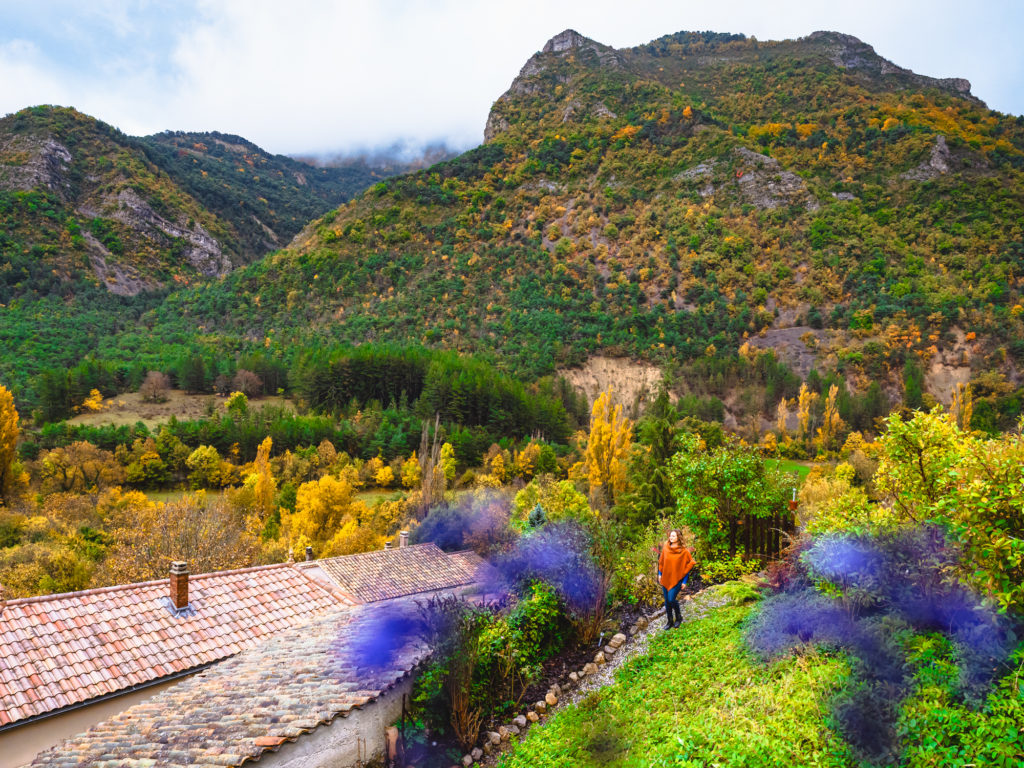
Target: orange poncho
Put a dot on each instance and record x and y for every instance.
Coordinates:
(674, 562)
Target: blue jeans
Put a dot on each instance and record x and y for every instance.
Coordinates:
(671, 595)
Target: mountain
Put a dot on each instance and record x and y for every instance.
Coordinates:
(80, 199)
(687, 202)
(265, 198)
(145, 211)
(676, 201)
(96, 226)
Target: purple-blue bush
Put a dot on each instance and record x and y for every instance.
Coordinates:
(882, 589)
(377, 639)
(556, 553)
(477, 521)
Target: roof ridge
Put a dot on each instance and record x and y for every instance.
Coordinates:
(133, 585)
(333, 593)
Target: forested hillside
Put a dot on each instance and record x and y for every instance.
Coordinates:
(97, 226)
(266, 198)
(691, 202)
(676, 201)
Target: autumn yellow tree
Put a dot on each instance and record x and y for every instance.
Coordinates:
(524, 462)
(322, 508)
(326, 455)
(385, 477)
(8, 443)
(448, 462)
(145, 537)
(608, 444)
(265, 486)
(831, 422)
(411, 471)
(804, 410)
(962, 406)
(93, 403)
(368, 473)
(782, 419)
(80, 467)
(496, 463)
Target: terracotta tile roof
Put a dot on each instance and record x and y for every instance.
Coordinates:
(384, 574)
(59, 650)
(248, 705)
(475, 566)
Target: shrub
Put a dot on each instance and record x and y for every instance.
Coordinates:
(154, 387)
(869, 595)
(715, 488)
(558, 499)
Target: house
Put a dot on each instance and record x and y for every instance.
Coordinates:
(385, 574)
(71, 661)
(302, 699)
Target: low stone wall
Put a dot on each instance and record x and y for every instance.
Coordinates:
(359, 738)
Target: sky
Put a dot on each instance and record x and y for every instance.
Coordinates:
(317, 77)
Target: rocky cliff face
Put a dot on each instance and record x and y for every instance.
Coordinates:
(128, 222)
(34, 162)
(532, 82)
(849, 52)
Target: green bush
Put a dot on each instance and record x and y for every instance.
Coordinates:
(484, 660)
(726, 569)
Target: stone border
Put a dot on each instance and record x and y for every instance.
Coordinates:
(493, 742)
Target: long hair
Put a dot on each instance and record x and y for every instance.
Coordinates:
(679, 537)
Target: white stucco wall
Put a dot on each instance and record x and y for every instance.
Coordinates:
(20, 745)
(347, 740)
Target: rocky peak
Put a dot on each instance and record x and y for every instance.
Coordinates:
(567, 40)
(850, 52)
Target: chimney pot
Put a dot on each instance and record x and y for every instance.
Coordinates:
(403, 539)
(179, 584)
(387, 544)
(309, 553)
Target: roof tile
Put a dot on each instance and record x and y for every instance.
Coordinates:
(389, 573)
(64, 649)
(247, 705)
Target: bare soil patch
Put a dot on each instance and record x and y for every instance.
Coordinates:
(130, 408)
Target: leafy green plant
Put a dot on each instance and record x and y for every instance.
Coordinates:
(714, 488)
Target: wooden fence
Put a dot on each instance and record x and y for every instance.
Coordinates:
(761, 537)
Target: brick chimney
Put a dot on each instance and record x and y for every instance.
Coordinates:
(387, 544)
(179, 584)
(309, 554)
(403, 539)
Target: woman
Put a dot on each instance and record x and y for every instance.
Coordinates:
(674, 565)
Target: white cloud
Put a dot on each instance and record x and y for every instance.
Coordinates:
(312, 75)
